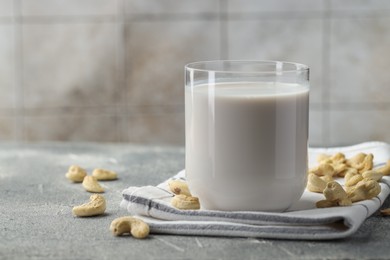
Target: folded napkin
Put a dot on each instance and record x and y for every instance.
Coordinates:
(301, 221)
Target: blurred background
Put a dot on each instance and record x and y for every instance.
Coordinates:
(112, 71)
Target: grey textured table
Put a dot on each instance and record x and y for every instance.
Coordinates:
(36, 220)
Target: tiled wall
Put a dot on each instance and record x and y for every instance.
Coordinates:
(112, 71)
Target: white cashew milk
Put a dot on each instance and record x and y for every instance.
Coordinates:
(246, 144)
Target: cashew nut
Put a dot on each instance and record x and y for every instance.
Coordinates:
(364, 190)
(326, 204)
(179, 187)
(327, 178)
(367, 164)
(123, 225)
(323, 169)
(348, 170)
(353, 180)
(384, 170)
(385, 212)
(104, 175)
(90, 184)
(372, 175)
(336, 195)
(337, 161)
(334, 192)
(182, 201)
(338, 158)
(76, 173)
(95, 206)
(356, 160)
(349, 173)
(315, 183)
(339, 168)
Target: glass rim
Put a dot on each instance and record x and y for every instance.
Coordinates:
(299, 66)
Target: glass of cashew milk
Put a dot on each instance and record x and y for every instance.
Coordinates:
(246, 133)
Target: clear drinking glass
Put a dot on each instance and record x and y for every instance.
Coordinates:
(246, 133)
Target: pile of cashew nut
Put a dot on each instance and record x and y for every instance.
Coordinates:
(361, 181)
(183, 198)
(90, 183)
(97, 203)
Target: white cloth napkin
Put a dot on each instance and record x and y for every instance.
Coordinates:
(301, 221)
